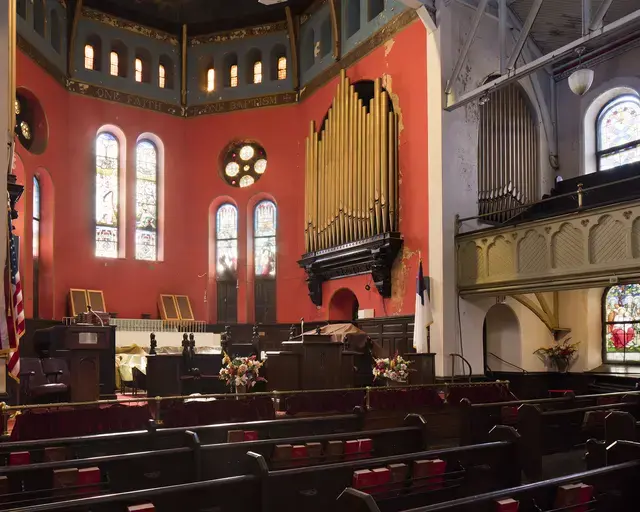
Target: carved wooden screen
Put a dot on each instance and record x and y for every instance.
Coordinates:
(507, 154)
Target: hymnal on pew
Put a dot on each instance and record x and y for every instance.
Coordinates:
(507, 505)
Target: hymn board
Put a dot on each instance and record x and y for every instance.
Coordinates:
(351, 190)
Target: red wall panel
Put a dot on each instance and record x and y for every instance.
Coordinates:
(193, 189)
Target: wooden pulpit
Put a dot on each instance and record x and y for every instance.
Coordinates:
(320, 359)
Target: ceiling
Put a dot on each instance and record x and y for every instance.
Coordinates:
(559, 22)
(201, 16)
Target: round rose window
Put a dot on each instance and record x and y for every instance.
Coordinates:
(244, 163)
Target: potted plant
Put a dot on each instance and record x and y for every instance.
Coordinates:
(559, 356)
(241, 373)
(395, 370)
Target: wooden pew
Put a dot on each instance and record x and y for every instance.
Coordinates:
(488, 466)
(618, 426)
(160, 438)
(477, 419)
(615, 488)
(548, 432)
(471, 469)
(127, 472)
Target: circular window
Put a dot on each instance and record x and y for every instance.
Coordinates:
(243, 164)
(31, 128)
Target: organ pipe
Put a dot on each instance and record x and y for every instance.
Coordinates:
(351, 171)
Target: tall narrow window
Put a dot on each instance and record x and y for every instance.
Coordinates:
(35, 244)
(107, 184)
(39, 17)
(138, 66)
(211, 79)
(282, 68)
(89, 61)
(162, 76)
(233, 76)
(113, 63)
(618, 132)
(257, 72)
(227, 262)
(264, 244)
(146, 201)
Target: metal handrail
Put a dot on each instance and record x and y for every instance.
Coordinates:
(507, 362)
(453, 371)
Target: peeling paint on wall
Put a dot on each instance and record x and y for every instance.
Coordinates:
(399, 275)
(388, 46)
(387, 83)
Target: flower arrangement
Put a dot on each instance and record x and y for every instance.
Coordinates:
(561, 355)
(241, 372)
(395, 369)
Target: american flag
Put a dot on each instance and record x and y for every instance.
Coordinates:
(14, 305)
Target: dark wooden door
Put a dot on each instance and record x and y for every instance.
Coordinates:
(265, 301)
(227, 302)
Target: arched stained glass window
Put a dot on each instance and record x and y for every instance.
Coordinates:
(233, 76)
(114, 64)
(211, 77)
(257, 72)
(282, 68)
(226, 241)
(89, 61)
(35, 244)
(618, 132)
(162, 76)
(621, 321)
(107, 184)
(146, 201)
(265, 239)
(138, 68)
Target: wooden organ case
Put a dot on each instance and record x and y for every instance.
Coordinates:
(351, 190)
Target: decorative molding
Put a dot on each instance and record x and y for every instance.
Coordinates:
(222, 107)
(576, 250)
(123, 98)
(381, 36)
(113, 21)
(241, 33)
(218, 107)
(375, 254)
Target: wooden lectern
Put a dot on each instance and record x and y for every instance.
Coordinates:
(90, 355)
(319, 360)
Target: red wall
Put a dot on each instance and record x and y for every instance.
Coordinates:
(193, 189)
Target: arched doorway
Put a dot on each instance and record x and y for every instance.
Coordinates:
(502, 341)
(343, 306)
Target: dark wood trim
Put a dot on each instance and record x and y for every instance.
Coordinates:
(335, 28)
(71, 50)
(241, 33)
(293, 47)
(113, 21)
(221, 107)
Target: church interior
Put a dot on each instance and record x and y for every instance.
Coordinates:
(369, 255)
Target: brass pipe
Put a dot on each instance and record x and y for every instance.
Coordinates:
(372, 175)
(384, 159)
(358, 181)
(331, 184)
(340, 160)
(307, 195)
(314, 170)
(350, 188)
(321, 148)
(392, 173)
(376, 156)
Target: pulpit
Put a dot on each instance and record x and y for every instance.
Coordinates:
(320, 361)
(90, 355)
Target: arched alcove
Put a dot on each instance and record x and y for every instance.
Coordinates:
(343, 306)
(502, 339)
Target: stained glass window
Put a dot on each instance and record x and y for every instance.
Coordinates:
(146, 201)
(138, 67)
(244, 164)
(233, 76)
(113, 63)
(282, 68)
(619, 132)
(88, 56)
(211, 77)
(162, 76)
(622, 323)
(107, 184)
(226, 241)
(257, 72)
(265, 239)
(36, 218)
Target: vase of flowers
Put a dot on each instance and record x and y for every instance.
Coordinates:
(560, 356)
(241, 373)
(395, 370)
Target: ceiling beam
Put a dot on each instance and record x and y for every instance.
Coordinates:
(598, 17)
(77, 13)
(502, 34)
(524, 33)
(527, 69)
(335, 29)
(462, 57)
